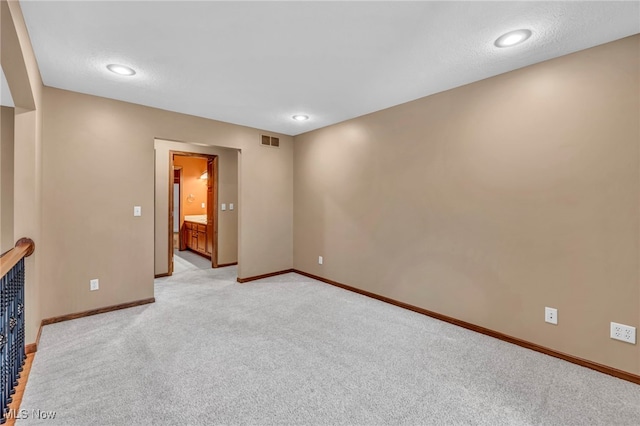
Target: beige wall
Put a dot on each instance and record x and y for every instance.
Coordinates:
(98, 162)
(7, 240)
(491, 201)
(227, 193)
(21, 69)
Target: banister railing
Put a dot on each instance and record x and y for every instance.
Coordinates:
(12, 345)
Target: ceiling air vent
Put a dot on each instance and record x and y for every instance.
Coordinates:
(269, 141)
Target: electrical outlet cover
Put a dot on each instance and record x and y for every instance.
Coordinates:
(624, 333)
(551, 315)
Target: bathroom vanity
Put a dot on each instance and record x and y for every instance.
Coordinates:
(194, 234)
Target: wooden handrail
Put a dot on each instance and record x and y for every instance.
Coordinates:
(24, 248)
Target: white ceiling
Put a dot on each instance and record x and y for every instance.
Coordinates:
(5, 94)
(258, 63)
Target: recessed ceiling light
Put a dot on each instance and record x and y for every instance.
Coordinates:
(120, 69)
(300, 117)
(512, 38)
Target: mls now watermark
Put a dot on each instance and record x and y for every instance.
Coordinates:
(35, 414)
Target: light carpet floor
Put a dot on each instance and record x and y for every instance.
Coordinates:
(187, 260)
(291, 350)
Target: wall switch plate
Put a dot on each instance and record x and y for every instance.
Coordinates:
(551, 315)
(137, 210)
(94, 284)
(622, 332)
(203, 205)
(230, 206)
(320, 260)
(223, 207)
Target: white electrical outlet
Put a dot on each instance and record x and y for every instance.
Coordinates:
(320, 260)
(223, 207)
(622, 332)
(202, 205)
(551, 315)
(230, 206)
(137, 211)
(94, 284)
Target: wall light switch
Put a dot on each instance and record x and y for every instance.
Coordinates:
(203, 205)
(223, 207)
(230, 206)
(137, 210)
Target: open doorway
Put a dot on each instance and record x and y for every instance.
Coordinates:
(227, 209)
(193, 196)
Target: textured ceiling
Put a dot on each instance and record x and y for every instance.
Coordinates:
(258, 63)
